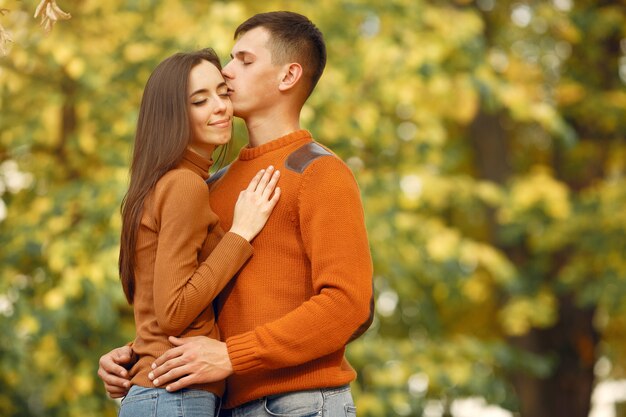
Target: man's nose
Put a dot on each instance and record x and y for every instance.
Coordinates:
(226, 72)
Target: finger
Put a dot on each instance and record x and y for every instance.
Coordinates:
(183, 382)
(166, 367)
(275, 198)
(172, 375)
(167, 356)
(113, 383)
(255, 181)
(123, 354)
(120, 355)
(117, 361)
(182, 341)
(176, 341)
(269, 188)
(265, 179)
(115, 392)
(113, 380)
(108, 366)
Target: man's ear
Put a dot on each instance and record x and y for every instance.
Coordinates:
(290, 76)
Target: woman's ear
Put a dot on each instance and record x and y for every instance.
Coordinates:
(290, 76)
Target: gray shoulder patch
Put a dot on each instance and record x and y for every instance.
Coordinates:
(216, 176)
(304, 155)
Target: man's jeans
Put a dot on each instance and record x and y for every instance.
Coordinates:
(326, 402)
(157, 402)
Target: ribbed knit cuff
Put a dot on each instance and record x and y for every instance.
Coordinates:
(237, 244)
(242, 352)
(227, 258)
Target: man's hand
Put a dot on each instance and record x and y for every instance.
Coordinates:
(113, 373)
(194, 360)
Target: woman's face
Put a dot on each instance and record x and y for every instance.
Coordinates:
(210, 109)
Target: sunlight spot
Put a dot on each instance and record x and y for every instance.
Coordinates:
(355, 163)
(498, 60)
(371, 26)
(521, 15)
(6, 306)
(603, 367)
(387, 303)
(407, 131)
(411, 186)
(471, 407)
(433, 408)
(418, 384)
(486, 5)
(14, 179)
(564, 5)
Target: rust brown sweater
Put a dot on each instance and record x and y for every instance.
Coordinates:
(307, 292)
(183, 261)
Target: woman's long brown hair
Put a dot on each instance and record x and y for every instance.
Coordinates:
(161, 139)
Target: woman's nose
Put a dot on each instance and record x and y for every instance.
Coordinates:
(221, 106)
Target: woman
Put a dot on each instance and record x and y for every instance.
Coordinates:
(174, 258)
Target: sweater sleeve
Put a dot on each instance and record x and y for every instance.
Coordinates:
(183, 286)
(334, 237)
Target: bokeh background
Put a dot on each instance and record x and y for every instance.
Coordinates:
(489, 141)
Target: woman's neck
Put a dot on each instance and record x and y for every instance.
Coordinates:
(205, 151)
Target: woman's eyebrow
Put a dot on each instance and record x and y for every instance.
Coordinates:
(204, 90)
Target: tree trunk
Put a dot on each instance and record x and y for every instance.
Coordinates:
(572, 341)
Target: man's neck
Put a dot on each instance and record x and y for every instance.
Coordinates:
(263, 131)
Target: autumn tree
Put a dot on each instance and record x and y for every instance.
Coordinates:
(488, 138)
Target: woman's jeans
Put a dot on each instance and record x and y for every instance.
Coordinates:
(157, 402)
(326, 402)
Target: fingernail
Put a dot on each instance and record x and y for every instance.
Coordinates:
(154, 366)
(151, 376)
(123, 373)
(156, 382)
(168, 388)
(126, 384)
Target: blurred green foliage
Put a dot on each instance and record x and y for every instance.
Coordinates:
(489, 141)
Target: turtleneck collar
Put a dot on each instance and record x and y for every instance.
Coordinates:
(196, 163)
(247, 153)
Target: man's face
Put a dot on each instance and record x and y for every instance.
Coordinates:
(250, 74)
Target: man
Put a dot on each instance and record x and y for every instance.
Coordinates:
(307, 291)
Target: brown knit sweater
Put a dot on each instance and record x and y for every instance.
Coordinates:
(183, 261)
(307, 291)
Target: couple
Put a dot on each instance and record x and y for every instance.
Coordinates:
(302, 290)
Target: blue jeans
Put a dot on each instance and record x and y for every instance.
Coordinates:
(157, 402)
(326, 402)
